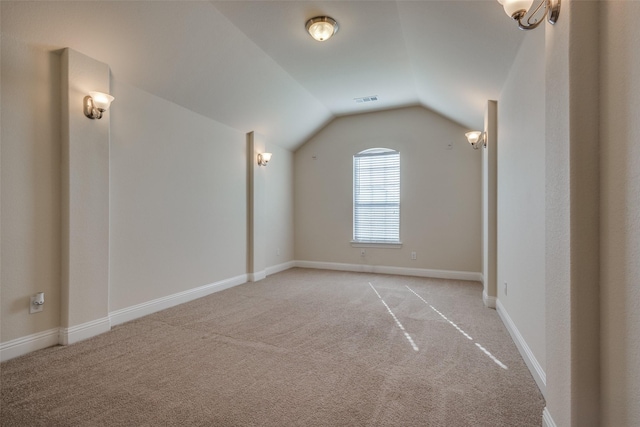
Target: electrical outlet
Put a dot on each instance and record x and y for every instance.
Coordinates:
(35, 308)
(505, 288)
(362, 252)
(414, 256)
(278, 251)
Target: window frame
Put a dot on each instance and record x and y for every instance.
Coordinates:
(380, 151)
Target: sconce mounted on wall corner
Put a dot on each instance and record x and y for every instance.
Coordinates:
(263, 159)
(96, 103)
(477, 139)
(518, 9)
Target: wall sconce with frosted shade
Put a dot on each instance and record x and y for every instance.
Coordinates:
(518, 9)
(263, 158)
(96, 103)
(477, 139)
(322, 28)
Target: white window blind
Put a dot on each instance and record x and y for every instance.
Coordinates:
(376, 196)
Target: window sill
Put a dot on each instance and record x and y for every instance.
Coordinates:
(395, 245)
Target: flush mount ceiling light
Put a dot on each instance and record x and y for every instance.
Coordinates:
(322, 28)
(518, 9)
(477, 139)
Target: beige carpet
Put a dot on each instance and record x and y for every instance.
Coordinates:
(300, 348)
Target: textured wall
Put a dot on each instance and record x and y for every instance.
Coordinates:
(490, 205)
(620, 213)
(521, 194)
(279, 207)
(178, 199)
(572, 201)
(176, 194)
(557, 245)
(30, 187)
(85, 196)
(440, 191)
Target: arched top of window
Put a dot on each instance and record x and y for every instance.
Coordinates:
(376, 152)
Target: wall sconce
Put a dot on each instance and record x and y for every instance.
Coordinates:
(477, 139)
(263, 158)
(322, 28)
(96, 103)
(517, 9)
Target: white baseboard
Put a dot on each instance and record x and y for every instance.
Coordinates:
(547, 421)
(401, 271)
(489, 302)
(280, 267)
(140, 310)
(65, 336)
(532, 363)
(84, 331)
(257, 276)
(24, 345)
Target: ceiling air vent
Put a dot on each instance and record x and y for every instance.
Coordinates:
(366, 99)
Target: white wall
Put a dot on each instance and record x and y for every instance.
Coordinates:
(440, 191)
(490, 206)
(178, 199)
(521, 194)
(31, 192)
(572, 261)
(279, 221)
(620, 213)
(85, 201)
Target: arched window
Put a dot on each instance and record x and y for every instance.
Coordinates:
(376, 196)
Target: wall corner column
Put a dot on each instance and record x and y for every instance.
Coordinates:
(490, 206)
(85, 202)
(256, 244)
(572, 296)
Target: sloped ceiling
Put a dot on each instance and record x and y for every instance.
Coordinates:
(252, 66)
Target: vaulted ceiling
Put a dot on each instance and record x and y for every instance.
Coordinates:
(252, 66)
